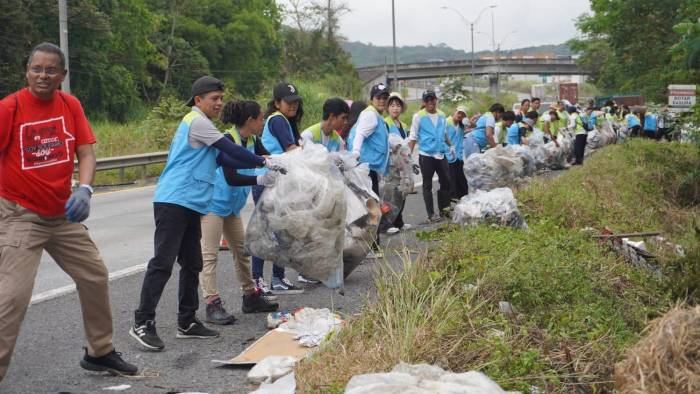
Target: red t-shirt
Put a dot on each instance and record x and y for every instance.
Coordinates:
(37, 144)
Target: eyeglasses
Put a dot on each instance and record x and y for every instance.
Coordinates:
(50, 71)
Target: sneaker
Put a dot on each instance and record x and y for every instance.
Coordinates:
(111, 362)
(261, 285)
(146, 335)
(392, 230)
(216, 314)
(196, 330)
(284, 286)
(257, 302)
(305, 279)
(407, 227)
(435, 219)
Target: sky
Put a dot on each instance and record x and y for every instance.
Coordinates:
(423, 22)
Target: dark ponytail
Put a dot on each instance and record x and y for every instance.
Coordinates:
(238, 112)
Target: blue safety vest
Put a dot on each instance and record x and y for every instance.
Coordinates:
(269, 141)
(334, 141)
(375, 148)
(188, 177)
(632, 120)
(514, 134)
(479, 133)
(456, 134)
(431, 138)
(229, 200)
(394, 129)
(650, 122)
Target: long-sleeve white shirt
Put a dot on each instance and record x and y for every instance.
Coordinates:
(366, 124)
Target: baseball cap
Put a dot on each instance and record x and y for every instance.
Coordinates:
(203, 85)
(286, 91)
(396, 95)
(378, 90)
(428, 94)
(462, 109)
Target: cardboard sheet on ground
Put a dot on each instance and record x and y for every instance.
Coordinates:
(274, 343)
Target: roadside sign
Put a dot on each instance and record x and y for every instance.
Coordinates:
(681, 96)
(568, 91)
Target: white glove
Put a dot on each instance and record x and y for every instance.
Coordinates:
(267, 179)
(355, 155)
(274, 164)
(453, 151)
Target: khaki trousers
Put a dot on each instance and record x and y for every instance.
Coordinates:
(23, 237)
(231, 227)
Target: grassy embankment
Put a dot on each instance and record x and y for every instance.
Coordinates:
(577, 305)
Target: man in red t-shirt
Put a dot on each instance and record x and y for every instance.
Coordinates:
(41, 131)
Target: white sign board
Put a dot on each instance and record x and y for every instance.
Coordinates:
(681, 96)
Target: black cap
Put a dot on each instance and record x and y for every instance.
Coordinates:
(203, 85)
(428, 94)
(378, 90)
(286, 91)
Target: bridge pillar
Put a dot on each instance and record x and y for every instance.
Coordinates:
(493, 84)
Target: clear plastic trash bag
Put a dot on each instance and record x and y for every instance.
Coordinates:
(497, 206)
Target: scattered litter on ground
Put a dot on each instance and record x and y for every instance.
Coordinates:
(666, 359)
(300, 221)
(284, 385)
(273, 343)
(311, 326)
(121, 387)
(272, 368)
(422, 379)
(497, 206)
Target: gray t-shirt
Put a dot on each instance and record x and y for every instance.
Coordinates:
(203, 131)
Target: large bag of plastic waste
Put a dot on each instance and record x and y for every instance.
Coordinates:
(363, 213)
(555, 156)
(470, 146)
(497, 206)
(536, 138)
(300, 221)
(525, 154)
(395, 186)
(497, 167)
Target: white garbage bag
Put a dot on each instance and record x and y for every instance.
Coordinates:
(497, 167)
(497, 206)
(422, 379)
(272, 368)
(300, 221)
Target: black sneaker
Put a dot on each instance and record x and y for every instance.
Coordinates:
(111, 362)
(216, 314)
(261, 285)
(284, 286)
(196, 330)
(146, 335)
(257, 302)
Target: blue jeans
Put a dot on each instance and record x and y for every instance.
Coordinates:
(257, 262)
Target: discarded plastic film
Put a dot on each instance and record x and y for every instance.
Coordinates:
(300, 221)
(497, 206)
(399, 182)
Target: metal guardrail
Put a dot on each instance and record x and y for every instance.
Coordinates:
(122, 162)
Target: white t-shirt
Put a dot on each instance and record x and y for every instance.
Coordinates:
(415, 126)
(366, 124)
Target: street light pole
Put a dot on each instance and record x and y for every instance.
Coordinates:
(63, 38)
(393, 30)
(473, 78)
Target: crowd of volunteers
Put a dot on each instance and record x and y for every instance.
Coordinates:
(206, 183)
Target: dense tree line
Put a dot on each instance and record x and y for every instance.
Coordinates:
(635, 45)
(124, 53)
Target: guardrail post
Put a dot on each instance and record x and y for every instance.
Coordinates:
(121, 175)
(143, 174)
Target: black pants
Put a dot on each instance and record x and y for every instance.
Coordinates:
(428, 167)
(178, 233)
(634, 131)
(580, 147)
(375, 188)
(398, 222)
(458, 182)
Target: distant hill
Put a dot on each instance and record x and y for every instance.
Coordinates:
(370, 55)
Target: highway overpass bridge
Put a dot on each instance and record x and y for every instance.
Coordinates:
(507, 66)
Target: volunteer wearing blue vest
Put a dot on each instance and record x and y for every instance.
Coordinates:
(429, 130)
(483, 132)
(231, 190)
(633, 122)
(517, 131)
(524, 109)
(455, 133)
(396, 107)
(576, 124)
(280, 134)
(183, 195)
(335, 115)
(650, 125)
(369, 142)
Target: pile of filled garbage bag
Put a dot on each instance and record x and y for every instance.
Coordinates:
(300, 221)
(497, 167)
(497, 206)
(599, 137)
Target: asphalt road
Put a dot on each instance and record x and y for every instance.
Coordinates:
(50, 344)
